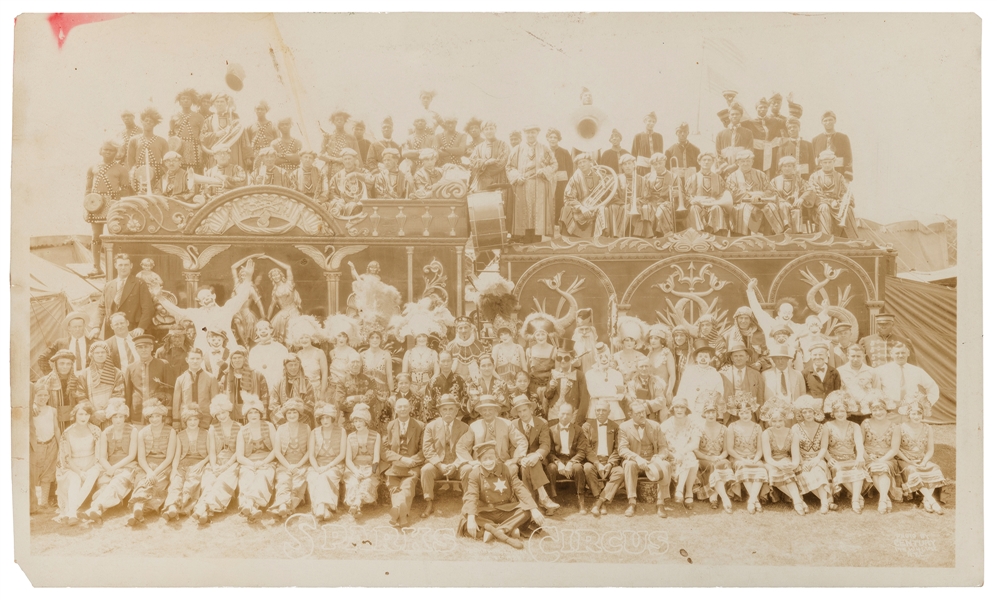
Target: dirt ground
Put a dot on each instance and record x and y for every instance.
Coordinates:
(906, 537)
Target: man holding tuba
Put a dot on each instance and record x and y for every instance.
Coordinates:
(633, 197)
(348, 187)
(755, 209)
(835, 211)
(581, 216)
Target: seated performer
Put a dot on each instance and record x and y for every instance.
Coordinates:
(363, 454)
(835, 204)
(403, 457)
(439, 448)
(755, 209)
(117, 452)
(660, 186)
(708, 197)
(348, 186)
(268, 173)
(533, 466)
(307, 178)
(644, 449)
(633, 195)
(428, 174)
(327, 455)
(577, 219)
(189, 462)
(602, 460)
(174, 181)
(495, 501)
(291, 452)
(221, 478)
(231, 175)
(794, 197)
(389, 180)
(510, 444)
(567, 454)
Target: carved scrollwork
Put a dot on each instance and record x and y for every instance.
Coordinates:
(262, 213)
(148, 213)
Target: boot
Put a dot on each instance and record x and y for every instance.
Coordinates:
(631, 509)
(545, 501)
(428, 511)
(581, 504)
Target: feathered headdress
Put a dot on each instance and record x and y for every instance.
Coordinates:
(492, 294)
(302, 326)
(337, 324)
(418, 319)
(633, 328)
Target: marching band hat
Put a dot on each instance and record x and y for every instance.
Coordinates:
(776, 98)
(885, 317)
(653, 116)
(388, 121)
(762, 102)
(627, 158)
(220, 404)
(348, 152)
(728, 93)
(171, 154)
(325, 409)
(64, 353)
(615, 132)
(427, 153)
(736, 106)
(780, 351)
(724, 116)
(487, 400)
(446, 400)
(781, 329)
(520, 400)
(390, 152)
(145, 338)
(829, 113)
(826, 155)
(480, 448)
(683, 126)
(737, 346)
(72, 316)
(533, 127)
(787, 160)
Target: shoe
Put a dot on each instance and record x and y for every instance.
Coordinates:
(138, 512)
(283, 511)
(801, 508)
(937, 507)
(487, 537)
(516, 533)
(73, 521)
(581, 505)
(688, 503)
(254, 515)
(832, 506)
(661, 511)
(246, 511)
(728, 508)
(824, 508)
(751, 507)
(428, 511)
(631, 510)
(171, 513)
(354, 512)
(93, 514)
(856, 507)
(597, 508)
(603, 511)
(714, 504)
(327, 515)
(202, 518)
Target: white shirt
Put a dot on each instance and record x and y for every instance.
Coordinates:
(78, 346)
(126, 351)
(565, 441)
(402, 427)
(602, 447)
(890, 375)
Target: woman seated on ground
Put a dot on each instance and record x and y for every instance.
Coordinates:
(189, 462)
(811, 437)
(917, 446)
(363, 453)
(117, 449)
(881, 441)
(221, 476)
(845, 452)
(292, 460)
(326, 453)
(782, 457)
(157, 443)
(682, 435)
(744, 446)
(714, 468)
(78, 465)
(255, 451)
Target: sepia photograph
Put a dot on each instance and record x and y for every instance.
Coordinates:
(413, 298)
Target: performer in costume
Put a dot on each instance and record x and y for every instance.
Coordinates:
(710, 202)
(187, 126)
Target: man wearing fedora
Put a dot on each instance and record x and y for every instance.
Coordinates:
(510, 444)
(602, 460)
(496, 503)
(782, 380)
(533, 466)
(439, 448)
(124, 294)
(877, 345)
(567, 453)
(644, 450)
(76, 342)
(403, 457)
(146, 378)
(740, 377)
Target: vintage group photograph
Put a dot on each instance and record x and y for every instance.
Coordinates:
(667, 292)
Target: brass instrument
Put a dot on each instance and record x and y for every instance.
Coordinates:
(845, 203)
(194, 180)
(354, 187)
(585, 126)
(604, 191)
(677, 181)
(633, 196)
(148, 173)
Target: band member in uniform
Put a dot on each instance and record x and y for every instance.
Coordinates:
(794, 196)
(768, 133)
(389, 181)
(403, 457)
(334, 143)
(800, 149)
(685, 154)
(307, 178)
(111, 181)
(428, 175)
(611, 157)
(360, 132)
(877, 345)
(187, 126)
(268, 173)
(146, 378)
(734, 135)
(577, 219)
(531, 170)
(565, 168)
(488, 161)
(173, 184)
(755, 207)
(232, 175)
(709, 199)
(633, 193)
(439, 448)
(287, 148)
(837, 143)
(660, 185)
(450, 143)
(260, 134)
(648, 143)
(376, 151)
(146, 148)
(831, 189)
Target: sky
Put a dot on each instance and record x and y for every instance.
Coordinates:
(905, 88)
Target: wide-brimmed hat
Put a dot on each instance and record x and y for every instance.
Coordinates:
(520, 400)
(446, 400)
(74, 315)
(487, 400)
(737, 347)
(654, 472)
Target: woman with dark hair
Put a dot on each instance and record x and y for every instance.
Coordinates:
(881, 442)
(509, 357)
(917, 446)
(363, 453)
(377, 365)
(291, 451)
(189, 462)
(327, 455)
(682, 345)
(79, 467)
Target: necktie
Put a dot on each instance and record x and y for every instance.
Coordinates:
(903, 383)
(76, 351)
(194, 380)
(120, 287)
(785, 387)
(738, 379)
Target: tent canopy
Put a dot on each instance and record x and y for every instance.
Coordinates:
(49, 279)
(919, 247)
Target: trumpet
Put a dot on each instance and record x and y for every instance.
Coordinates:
(845, 203)
(679, 182)
(633, 196)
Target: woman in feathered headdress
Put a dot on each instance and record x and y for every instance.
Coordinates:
(492, 295)
(538, 330)
(344, 333)
(631, 334)
(419, 321)
(303, 332)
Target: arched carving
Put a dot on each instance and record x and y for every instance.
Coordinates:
(681, 258)
(794, 265)
(527, 276)
(260, 210)
(588, 297)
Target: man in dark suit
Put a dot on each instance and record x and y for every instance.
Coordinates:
(439, 448)
(148, 377)
(820, 378)
(402, 459)
(568, 447)
(644, 449)
(532, 467)
(647, 143)
(76, 342)
(121, 345)
(602, 461)
(565, 383)
(125, 294)
(739, 377)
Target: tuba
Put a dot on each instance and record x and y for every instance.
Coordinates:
(585, 126)
(843, 206)
(604, 191)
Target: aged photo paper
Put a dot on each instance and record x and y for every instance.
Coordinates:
(441, 299)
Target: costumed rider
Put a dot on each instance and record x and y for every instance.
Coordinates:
(496, 503)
